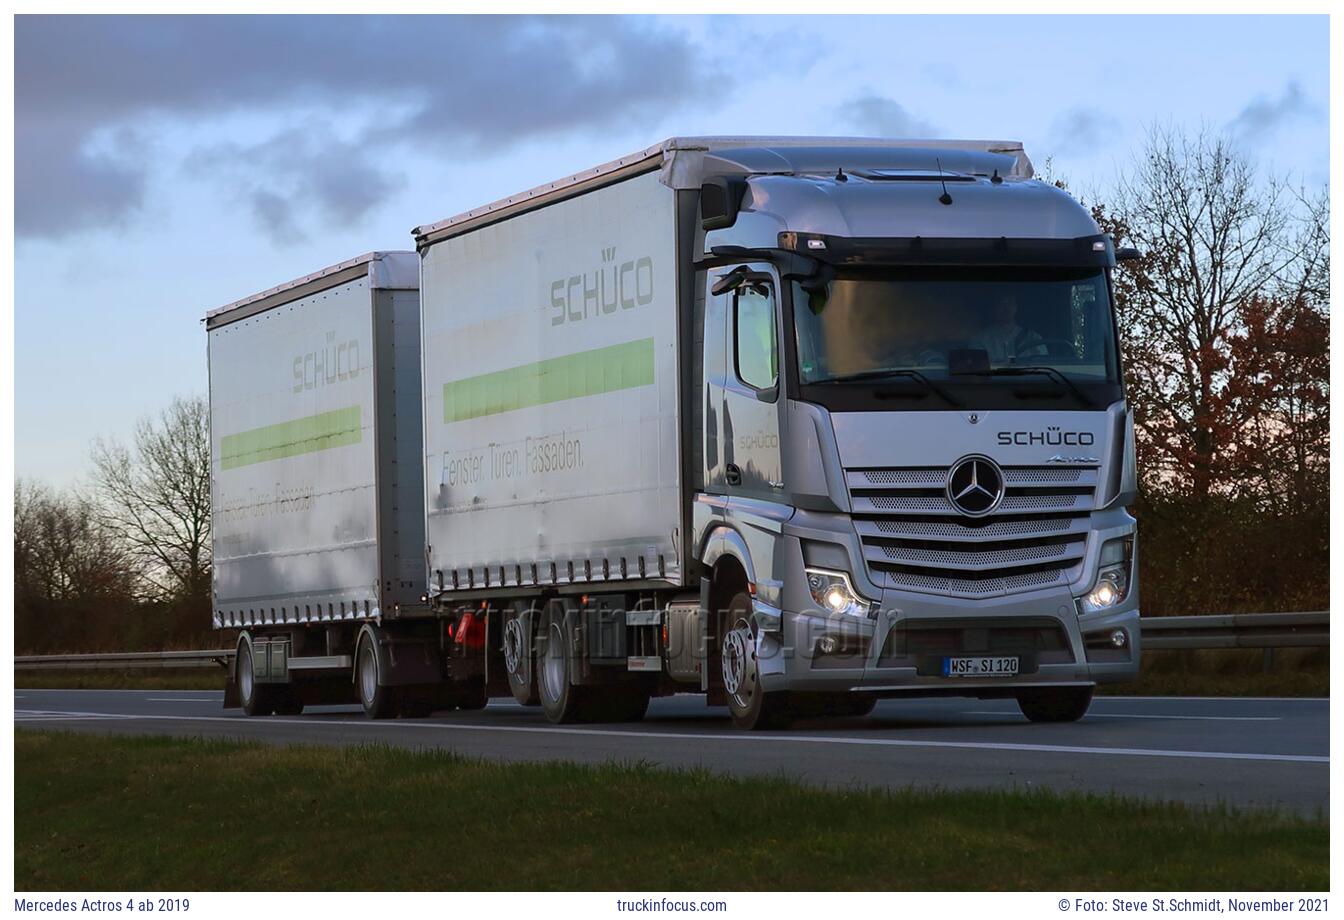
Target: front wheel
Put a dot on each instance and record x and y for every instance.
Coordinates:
(1055, 704)
(751, 707)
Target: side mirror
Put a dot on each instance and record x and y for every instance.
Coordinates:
(1127, 254)
(720, 200)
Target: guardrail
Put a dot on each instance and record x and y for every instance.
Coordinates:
(205, 658)
(1266, 631)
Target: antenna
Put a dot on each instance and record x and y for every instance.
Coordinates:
(945, 198)
(840, 175)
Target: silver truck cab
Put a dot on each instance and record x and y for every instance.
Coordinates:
(914, 433)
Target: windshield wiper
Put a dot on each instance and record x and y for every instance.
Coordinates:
(1052, 372)
(881, 374)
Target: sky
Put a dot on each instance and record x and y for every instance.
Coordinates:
(166, 166)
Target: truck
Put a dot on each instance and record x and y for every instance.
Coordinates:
(793, 423)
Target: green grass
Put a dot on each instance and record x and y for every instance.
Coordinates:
(118, 813)
(1229, 672)
(140, 679)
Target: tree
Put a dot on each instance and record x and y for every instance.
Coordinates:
(1215, 237)
(156, 498)
(72, 580)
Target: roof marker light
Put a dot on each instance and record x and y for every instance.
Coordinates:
(816, 244)
(1098, 246)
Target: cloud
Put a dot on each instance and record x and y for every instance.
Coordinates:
(465, 84)
(300, 176)
(1264, 116)
(1082, 131)
(879, 116)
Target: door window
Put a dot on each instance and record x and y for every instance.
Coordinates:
(754, 335)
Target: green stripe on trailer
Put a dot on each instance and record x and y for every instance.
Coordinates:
(585, 373)
(307, 435)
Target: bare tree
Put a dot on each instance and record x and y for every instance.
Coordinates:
(72, 578)
(156, 497)
(1215, 237)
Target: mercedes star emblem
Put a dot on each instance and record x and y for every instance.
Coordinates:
(975, 485)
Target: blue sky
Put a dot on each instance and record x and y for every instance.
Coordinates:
(166, 166)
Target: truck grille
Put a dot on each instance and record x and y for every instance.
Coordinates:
(915, 539)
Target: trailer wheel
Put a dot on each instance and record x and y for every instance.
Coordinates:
(379, 702)
(256, 699)
(1055, 704)
(519, 654)
(561, 700)
(751, 707)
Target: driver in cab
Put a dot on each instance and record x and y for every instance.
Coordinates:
(1003, 339)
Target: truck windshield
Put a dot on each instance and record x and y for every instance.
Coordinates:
(956, 323)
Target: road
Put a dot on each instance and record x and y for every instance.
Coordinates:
(1245, 752)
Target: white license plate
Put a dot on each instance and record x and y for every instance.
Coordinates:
(985, 666)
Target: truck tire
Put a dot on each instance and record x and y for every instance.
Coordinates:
(519, 654)
(1055, 704)
(379, 702)
(256, 699)
(751, 707)
(561, 700)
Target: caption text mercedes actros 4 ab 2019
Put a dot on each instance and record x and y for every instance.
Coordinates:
(795, 423)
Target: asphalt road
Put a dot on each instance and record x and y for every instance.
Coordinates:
(1245, 752)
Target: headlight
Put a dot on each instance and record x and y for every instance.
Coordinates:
(1112, 585)
(835, 595)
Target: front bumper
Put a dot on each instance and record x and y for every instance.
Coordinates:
(900, 651)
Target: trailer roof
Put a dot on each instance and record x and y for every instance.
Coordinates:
(391, 269)
(681, 160)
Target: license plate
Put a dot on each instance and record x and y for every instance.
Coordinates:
(986, 666)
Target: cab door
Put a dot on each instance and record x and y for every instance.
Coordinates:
(751, 387)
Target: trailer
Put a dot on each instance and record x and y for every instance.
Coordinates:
(792, 423)
(317, 479)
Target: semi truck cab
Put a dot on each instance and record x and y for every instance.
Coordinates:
(914, 431)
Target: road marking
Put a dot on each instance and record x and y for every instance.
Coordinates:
(742, 738)
(1133, 715)
(175, 699)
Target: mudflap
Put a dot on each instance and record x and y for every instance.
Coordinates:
(231, 698)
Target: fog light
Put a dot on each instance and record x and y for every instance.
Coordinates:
(1119, 639)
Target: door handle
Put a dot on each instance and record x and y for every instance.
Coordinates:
(734, 474)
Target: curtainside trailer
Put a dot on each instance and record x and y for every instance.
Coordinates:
(794, 423)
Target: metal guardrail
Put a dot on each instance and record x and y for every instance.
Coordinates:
(1238, 630)
(205, 658)
(1216, 631)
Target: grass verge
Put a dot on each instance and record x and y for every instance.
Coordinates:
(1229, 672)
(123, 813)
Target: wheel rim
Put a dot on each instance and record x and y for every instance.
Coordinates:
(245, 675)
(368, 674)
(553, 673)
(738, 657)
(514, 646)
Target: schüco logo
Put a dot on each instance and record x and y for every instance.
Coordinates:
(1052, 436)
(604, 290)
(322, 366)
